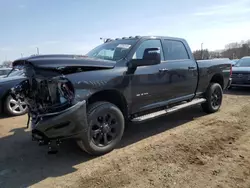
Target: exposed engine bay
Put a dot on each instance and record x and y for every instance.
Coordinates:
(50, 95)
(44, 92)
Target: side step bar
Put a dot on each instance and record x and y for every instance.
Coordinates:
(168, 111)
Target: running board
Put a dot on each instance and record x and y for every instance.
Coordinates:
(168, 111)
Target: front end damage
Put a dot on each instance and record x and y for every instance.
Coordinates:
(54, 112)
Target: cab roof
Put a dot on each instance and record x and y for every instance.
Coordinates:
(146, 37)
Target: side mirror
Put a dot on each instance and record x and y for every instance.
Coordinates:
(151, 56)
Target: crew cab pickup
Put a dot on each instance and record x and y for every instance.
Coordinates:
(91, 97)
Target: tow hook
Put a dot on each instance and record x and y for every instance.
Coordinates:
(42, 143)
(53, 146)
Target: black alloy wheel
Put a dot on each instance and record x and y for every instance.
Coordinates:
(105, 128)
(214, 96)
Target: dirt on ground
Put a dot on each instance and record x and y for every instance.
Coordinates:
(185, 149)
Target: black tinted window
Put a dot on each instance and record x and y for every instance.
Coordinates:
(174, 50)
(147, 44)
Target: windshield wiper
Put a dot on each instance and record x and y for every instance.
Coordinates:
(10, 72)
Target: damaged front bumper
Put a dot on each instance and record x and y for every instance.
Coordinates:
(55, 109)
(69, 123)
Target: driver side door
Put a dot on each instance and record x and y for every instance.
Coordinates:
(147, 81)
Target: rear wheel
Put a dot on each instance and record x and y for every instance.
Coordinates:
(14, 107)
(214, 95)
(105, 128)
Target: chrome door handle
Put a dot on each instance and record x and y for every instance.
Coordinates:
(163, 70)
(191, 68)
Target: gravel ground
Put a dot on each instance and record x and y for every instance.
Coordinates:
(185, 149)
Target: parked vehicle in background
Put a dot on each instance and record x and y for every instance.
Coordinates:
(220, 58)
(89, 98)
(4, 72)
(8, 104)
(241, 73)
(234, 61)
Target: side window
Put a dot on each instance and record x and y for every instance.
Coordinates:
(174, 50)
(147, 44)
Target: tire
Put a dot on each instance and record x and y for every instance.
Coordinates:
(214, 96)
(13, 107)
(104, 120)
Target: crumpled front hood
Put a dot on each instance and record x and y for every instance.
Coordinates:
(63, 61)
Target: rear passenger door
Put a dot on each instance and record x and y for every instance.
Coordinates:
(182, 71)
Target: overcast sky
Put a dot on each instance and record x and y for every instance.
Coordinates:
(75, 26)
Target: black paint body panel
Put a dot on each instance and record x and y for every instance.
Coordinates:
(144, 88)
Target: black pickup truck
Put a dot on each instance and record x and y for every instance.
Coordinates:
(90, 98)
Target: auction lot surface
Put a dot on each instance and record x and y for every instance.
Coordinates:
(185, 149)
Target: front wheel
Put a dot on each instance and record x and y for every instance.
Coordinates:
(14, 107)
(105, 128)
(214, 95)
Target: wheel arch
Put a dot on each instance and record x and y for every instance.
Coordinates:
(218, 78)
(112, 96)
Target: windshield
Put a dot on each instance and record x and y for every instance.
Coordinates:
(114, 50)
(243, 63)
(15, 72)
